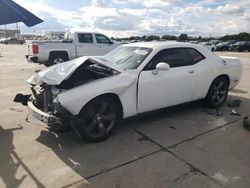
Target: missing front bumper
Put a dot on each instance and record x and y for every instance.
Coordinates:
(56, 123)
(49, 119)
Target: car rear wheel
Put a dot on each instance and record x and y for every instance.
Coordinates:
(98, 119)
(217, 93)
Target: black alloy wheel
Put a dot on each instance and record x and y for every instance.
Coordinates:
(98, 119)
(217, 93)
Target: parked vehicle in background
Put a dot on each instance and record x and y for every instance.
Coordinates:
(215, 41)
(76, 44)
(225, 46)
(222, 46)
(208, 45)
(2, 40)
(13, 40)
(241, 46)
(91, 94)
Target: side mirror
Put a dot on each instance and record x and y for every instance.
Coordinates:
(161, 66)
(111, 42)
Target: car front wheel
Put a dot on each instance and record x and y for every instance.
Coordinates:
(217, 93)
(98, 119)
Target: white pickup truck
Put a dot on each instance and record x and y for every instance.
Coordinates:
(74, 45)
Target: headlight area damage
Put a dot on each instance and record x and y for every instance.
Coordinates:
(46, 85)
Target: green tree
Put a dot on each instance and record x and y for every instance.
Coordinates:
(240, 37)
(169, 37)
(183, 37)
(153, 37)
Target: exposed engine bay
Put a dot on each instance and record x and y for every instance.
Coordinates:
(87, 72)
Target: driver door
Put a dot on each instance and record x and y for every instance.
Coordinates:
(169, 87)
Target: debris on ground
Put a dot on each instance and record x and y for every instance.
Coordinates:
(172, 127)
(246, 123)
(234, 113)
(236, 103)
(143, 138)
(16, 109)
(208, 112)
(216, 112)
(36, 71)
(27, 118)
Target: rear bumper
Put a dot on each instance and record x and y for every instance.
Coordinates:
(31, 58)
(42, 116)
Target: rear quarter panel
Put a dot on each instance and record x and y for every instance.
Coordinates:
(213, 67)
(233, 68)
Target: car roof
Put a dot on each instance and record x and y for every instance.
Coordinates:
(161, 44)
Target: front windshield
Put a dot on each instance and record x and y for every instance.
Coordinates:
(128, 57)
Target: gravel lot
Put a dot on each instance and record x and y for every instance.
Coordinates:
(183, 146)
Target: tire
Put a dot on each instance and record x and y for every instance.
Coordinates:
(98, 119)
(246, 123)
(57, 58)
(217, 93)
(47, 64)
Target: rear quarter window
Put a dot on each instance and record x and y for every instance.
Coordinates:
(195, 56)
(85, 38)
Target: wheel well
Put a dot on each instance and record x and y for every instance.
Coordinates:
(224, 76)
(113, 96)
(60, 54)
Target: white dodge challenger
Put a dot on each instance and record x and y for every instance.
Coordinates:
(91, 94)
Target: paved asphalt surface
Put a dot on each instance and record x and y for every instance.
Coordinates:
(186, 146)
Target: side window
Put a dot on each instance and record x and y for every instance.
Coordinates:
(175, 57)
(102, 39)
(195, 56)
(85, 38)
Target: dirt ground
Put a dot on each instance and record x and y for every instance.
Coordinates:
(185, 146)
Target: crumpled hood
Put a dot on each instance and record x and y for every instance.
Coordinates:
(55, 74)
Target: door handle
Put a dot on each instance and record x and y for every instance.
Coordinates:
(191, 71)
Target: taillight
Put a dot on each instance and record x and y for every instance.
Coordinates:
(35, 49)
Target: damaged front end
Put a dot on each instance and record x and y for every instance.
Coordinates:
(43, 106)
(48, 84)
